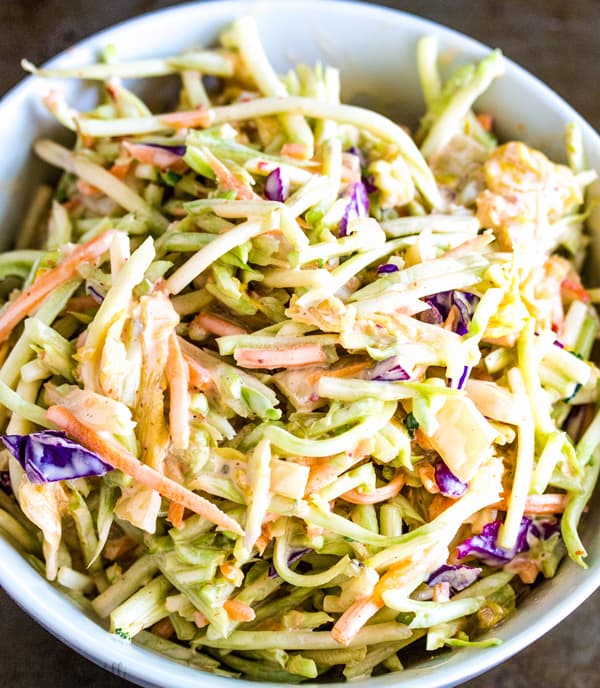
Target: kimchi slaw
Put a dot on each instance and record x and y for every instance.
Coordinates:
(285, 387)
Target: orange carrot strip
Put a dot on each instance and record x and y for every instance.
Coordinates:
(85, 188)
(175, 514)
(438, 505)
(575, 287)
(187, 118)
(216, 325)
(238, 610)
(149, 155)
(298, 151)
(427, 474)
(320, 476)
(30, 299)
(546, 504)
(380, 494)
(262, 543)
(280, 358)
(354, 618)
(485, 119)
(350, 370)
(227, 179)
(120, 169)
(441, 592)
(120, 458)
(179, 397)
(537, 505)
(200, 620)
(231, 573)
(199, 376)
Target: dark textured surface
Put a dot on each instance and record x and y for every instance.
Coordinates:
(559, 42)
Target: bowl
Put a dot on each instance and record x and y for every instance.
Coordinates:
(375, 51)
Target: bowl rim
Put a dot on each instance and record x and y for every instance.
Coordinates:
(59, 615)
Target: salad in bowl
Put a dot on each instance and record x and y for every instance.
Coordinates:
(288, 389)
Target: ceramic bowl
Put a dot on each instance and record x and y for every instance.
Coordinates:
(375, 51)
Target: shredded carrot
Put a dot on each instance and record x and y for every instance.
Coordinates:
(262, 543)
(303, 223)
(199, 376)
(422, 440)
(381, 494)
(231, 572)
(72, 204)
(576, 289)
(314, 531)
(120, 169)
(227, 179)
(215, 324)
(538, 505)
(397, 576)
(486, 121)
(163, 628)
(175, 514)
(426, 472)
(200, 620)
(438, 505)
(85, 188)
(293, 357)
(87, 141)
(30, 299)
(351, 370)
(546, 504)
(441, 592)
(354, 618)
(298, 151)
(120, 458)
(238, 610)
(524, 567)
(179, 397)
(187, 119)
(160, 157)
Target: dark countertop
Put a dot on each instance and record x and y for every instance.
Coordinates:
(558, 41)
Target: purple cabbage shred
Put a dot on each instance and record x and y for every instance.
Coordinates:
(358, 206)
(96, 295)
(388, 370)
(176, 150)
(355, 150)
(441, 304)
(449, 484)
(367, 179)
(387, 268)
(277, 186)
(49, 455)
(462, 379)
(458, 576)
(484, 546)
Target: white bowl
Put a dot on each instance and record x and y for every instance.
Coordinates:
(375, 50)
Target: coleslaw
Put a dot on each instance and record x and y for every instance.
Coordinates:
(285, 388)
